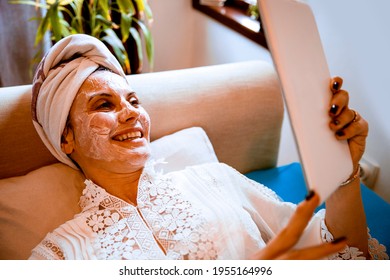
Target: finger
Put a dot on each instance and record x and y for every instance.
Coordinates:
(338, 103)
(335, 84)
(345, 118)
(302, 216)
(290, 235)
(352, 130)
(316, 252)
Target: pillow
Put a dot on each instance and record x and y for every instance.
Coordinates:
(35, 204)
(190, 146)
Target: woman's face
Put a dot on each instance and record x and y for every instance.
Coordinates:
(110, 128)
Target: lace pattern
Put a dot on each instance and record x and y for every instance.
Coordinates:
(49, 249)
(377, 251)
(178, 225)
(163, 225)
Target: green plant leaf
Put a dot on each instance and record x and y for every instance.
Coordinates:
(65, 2)
(125, 26)
(104, 9)
(148, 12)
(126, 7)
(65, 27)
(104, 21)
(44, 26)
(96, 31)
(119, 50)
(140, 5)
(94, 17)
(77, 20)
(149, 43)
(32, 3)
(138, 41)
(55, 23)
(59, 2)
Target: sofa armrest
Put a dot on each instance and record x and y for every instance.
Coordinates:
(239, 105)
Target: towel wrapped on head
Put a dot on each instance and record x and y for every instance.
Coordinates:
(58, 79)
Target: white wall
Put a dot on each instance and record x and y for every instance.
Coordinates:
(219, 44)
(356, 42)
(16, 43)
(173, 34)
(187, 38)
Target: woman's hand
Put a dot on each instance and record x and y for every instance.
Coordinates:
(281, 247)
(344, 209)
(347, 123)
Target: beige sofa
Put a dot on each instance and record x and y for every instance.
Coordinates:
(238, 105)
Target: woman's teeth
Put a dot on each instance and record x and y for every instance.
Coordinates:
(127, 136)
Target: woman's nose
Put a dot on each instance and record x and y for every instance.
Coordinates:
(128, 112)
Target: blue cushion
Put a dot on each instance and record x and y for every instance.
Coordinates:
(288, 182)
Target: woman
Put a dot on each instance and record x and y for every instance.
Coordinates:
(89, 118)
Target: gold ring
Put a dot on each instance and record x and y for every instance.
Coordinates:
(355, 115)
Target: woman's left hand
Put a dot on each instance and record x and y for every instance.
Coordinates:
(282, 246)
(346, 122)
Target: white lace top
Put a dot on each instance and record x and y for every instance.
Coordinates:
(209, 211)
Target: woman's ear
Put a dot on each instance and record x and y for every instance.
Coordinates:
(67, 140)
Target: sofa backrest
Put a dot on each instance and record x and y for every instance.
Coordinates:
(239, 105)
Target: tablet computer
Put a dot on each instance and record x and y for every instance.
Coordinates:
(300, 62)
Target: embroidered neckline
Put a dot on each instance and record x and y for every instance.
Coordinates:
(93, 195)
(162, 217)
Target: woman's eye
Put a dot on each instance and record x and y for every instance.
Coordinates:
(104, 106)
(134, 101)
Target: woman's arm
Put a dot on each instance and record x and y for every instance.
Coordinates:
(345, 215)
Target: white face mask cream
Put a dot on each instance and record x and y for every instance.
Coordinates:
(109, 124)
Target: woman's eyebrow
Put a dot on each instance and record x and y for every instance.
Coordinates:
(130, 94)
(99, 95)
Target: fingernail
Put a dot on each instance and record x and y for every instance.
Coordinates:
(310, 195)
(336, 85)
(340, 133)
(333, 109)
(339, 239)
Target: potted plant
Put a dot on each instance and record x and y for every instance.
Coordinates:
(123, 25)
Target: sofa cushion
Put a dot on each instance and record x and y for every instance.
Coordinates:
(23, 150)
(35, 204)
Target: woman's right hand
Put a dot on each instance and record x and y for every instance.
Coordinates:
(281, 246)
(347, 124)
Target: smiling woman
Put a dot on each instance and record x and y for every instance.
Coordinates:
(107, 131)
(104, 112)
(92, 120)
